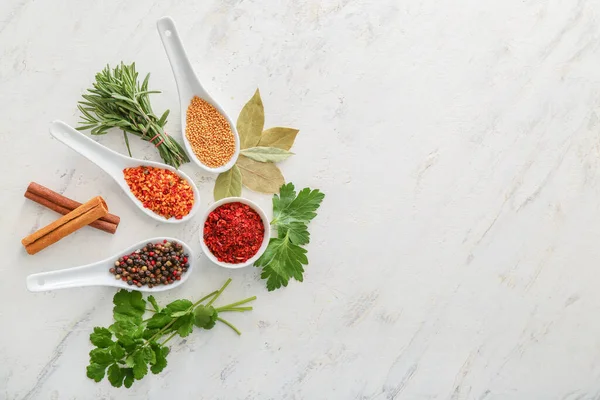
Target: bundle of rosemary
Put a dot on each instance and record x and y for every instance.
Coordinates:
(117, 100)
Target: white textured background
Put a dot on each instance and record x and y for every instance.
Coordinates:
(455, 256)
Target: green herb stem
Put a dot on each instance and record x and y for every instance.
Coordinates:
(169, 338)
(229, 324)
(219, 292)
(240, 309)
(237, 303)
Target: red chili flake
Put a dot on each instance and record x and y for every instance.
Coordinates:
(234, 232)
(160, 190)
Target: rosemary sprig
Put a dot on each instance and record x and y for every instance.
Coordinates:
(117, 100)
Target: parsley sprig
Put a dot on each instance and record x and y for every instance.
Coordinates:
(284, 258)
(129, 347)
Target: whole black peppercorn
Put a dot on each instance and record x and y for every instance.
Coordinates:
(119, 270)
(130, 282)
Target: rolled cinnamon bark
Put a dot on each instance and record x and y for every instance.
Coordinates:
(101, 223)
(65, 225)
(63, 201)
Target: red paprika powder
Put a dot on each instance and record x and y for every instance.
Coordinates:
(234, 232)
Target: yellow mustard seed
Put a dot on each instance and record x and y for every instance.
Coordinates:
(209, 133)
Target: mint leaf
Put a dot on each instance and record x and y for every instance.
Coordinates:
(117, 352)
(178, 306)
(152, 301)
(184, 325)
(205, 317)
(101, 357)
(101, 337)
(115, 375)
(281, 261)
(128, 373)
(140, 367)
(158, 321)
(96, 371)
(161, 358)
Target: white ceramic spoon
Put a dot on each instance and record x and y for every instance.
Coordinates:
(98, 274)
(189, 86)
(113, 164)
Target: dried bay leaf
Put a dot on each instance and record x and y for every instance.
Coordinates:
(251, 122)
(228, 184)
(282, 138)
(266, 154)
(260, 177)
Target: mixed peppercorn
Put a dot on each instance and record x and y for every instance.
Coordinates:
(155, 264)
(234, 232)
(160, 190)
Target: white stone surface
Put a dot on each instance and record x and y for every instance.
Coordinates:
(456, 253)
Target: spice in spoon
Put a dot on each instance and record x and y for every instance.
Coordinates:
(160, 190)
(234, 232)
(155, 264)
(209, 133)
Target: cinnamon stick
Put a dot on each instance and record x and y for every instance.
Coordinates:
(63, 201)
(81, 216)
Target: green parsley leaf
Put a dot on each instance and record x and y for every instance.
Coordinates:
(184, 325)
(101, 337)
(205, 317)
(129, 306)
(117, 352)
(284, 258)
(128, 373)
(149, 355)
(96, 371)
(101, 357)
(178, 307)
(115, 375)
(296, 231)
(159, 321)
(140, 367)
(281, 261)
(152, 301)
(302, 208)
(161, 358)
(148, 333)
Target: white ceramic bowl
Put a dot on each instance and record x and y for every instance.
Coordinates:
(262, 248)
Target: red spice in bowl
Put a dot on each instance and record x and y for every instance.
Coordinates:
(160, 190)
(233, 232)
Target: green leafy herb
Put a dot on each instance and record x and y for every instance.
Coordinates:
(284, 258)
(137, 345)
(260, 150)
(118, 100)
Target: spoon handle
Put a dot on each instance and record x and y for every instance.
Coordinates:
(87, 275)
(108, 160)
(185, 78)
